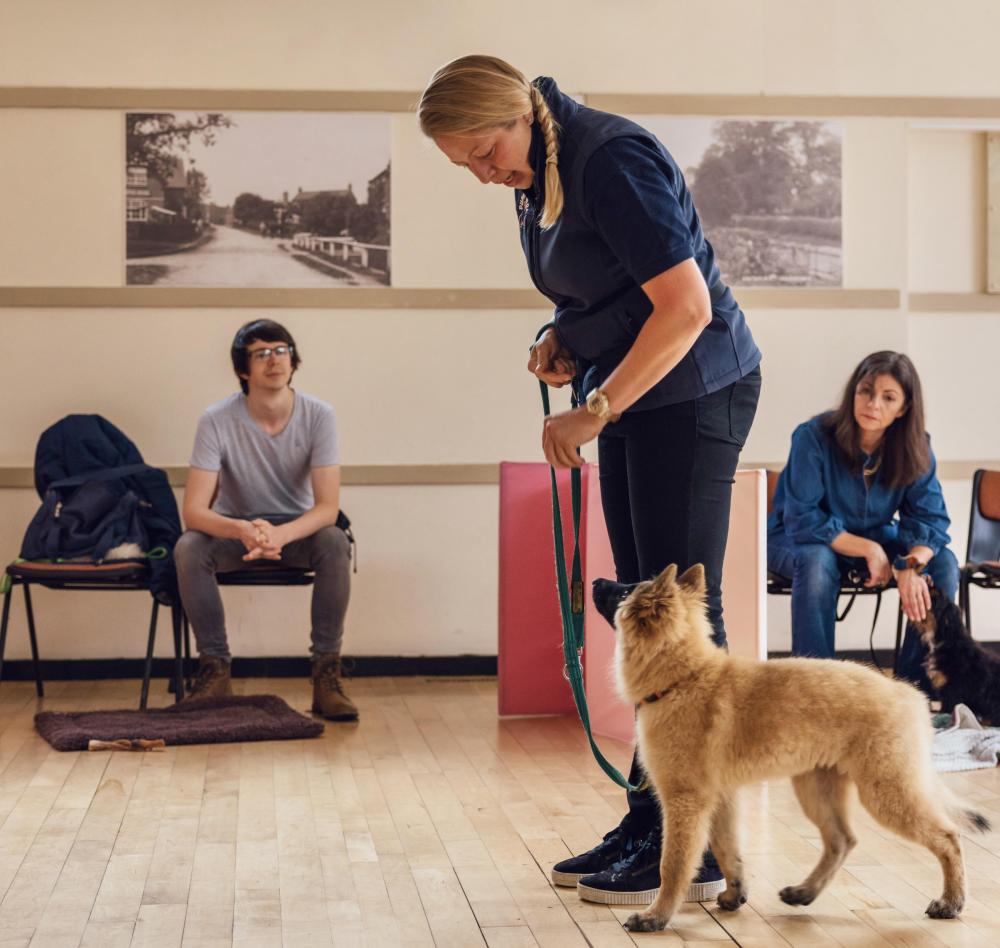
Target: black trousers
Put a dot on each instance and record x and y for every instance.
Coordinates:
(666, 483)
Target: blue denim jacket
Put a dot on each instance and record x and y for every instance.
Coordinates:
(818, 497)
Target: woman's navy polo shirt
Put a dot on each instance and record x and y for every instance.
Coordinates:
(818, 497)
(627, 217)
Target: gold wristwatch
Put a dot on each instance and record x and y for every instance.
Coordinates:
(598, 404)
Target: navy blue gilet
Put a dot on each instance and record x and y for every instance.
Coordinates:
(599, 308)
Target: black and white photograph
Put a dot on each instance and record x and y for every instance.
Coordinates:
(270, 199)
(768, 193)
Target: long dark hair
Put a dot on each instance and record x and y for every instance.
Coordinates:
(904, 449)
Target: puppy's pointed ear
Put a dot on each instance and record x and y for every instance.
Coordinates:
(694, 579)
(667, 578)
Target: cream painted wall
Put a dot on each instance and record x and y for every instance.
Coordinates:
(62, 185)
(409, 387)
(958, 358)
(426, 585)
(875, 216)
(449, 386)
(774, 47)
(947, 211)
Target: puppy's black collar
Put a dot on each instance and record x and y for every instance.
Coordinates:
(656, 695)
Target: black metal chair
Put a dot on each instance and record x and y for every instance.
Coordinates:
(982, 553)
(106, 577)
(778, 585)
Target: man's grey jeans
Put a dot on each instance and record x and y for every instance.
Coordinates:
(199, 557)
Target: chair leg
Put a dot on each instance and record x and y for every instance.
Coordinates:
(3, 625)
(33, 639)
(150, 645)
(967, 605)
(187, 649)
(899, 640)
(175, 617)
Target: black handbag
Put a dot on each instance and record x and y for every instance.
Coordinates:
(85, 517)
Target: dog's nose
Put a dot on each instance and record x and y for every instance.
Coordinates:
(608, 595)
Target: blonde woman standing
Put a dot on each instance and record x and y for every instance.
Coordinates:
(646, 330)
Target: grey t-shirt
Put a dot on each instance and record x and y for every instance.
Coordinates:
(261, 475)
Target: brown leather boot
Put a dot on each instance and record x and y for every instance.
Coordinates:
(212, 681)
(329, 699)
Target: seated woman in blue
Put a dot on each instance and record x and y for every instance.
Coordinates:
(860, 488)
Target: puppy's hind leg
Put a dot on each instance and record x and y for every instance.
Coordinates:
(724, 840)
(900, 802)
(824, 796)
(687, 820)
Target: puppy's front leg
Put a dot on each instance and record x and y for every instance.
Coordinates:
(724, 839)
(686, 833)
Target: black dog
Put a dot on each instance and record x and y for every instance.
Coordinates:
(608, 596)
(962, 671)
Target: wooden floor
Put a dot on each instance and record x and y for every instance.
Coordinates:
(431, 822)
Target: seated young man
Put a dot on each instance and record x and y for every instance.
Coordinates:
(264, 486)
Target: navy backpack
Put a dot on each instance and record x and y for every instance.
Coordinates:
(98, 495)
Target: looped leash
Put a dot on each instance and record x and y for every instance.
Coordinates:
(571, 606)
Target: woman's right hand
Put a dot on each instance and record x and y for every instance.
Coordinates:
(879, 567)
(549, 361)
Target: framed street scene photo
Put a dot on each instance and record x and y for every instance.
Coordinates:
(272, 199)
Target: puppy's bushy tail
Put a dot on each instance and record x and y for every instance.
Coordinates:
(967, 818)
(975, 821)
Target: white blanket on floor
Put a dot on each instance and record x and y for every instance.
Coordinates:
(965, 744)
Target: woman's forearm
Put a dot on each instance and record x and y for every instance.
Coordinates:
(850, 544)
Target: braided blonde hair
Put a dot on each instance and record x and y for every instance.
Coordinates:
(475, 93)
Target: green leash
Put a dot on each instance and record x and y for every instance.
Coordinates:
(571, 608)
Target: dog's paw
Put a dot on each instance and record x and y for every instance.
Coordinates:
(645, 922)
(797, 895)
(734, 896)
(941, 908)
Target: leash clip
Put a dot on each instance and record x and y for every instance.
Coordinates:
(579, 656)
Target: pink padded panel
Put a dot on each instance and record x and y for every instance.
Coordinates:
(530, 647)
(529, 665)
(609, 715)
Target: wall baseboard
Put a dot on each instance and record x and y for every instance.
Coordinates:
(364, 666)
(297, 666)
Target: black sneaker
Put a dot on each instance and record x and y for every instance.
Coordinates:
(635, 879)
(607, 852)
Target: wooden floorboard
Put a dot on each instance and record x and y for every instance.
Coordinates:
(432, 822)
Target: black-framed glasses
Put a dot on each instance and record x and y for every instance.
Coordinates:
(262, 355)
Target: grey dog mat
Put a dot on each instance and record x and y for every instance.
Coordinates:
(212, 721)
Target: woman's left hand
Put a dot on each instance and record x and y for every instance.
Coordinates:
(562, 434)
(914, 593)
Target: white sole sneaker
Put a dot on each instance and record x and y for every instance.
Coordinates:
(566, 878)
(697, 892)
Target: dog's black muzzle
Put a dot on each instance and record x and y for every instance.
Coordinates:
(608, 596)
